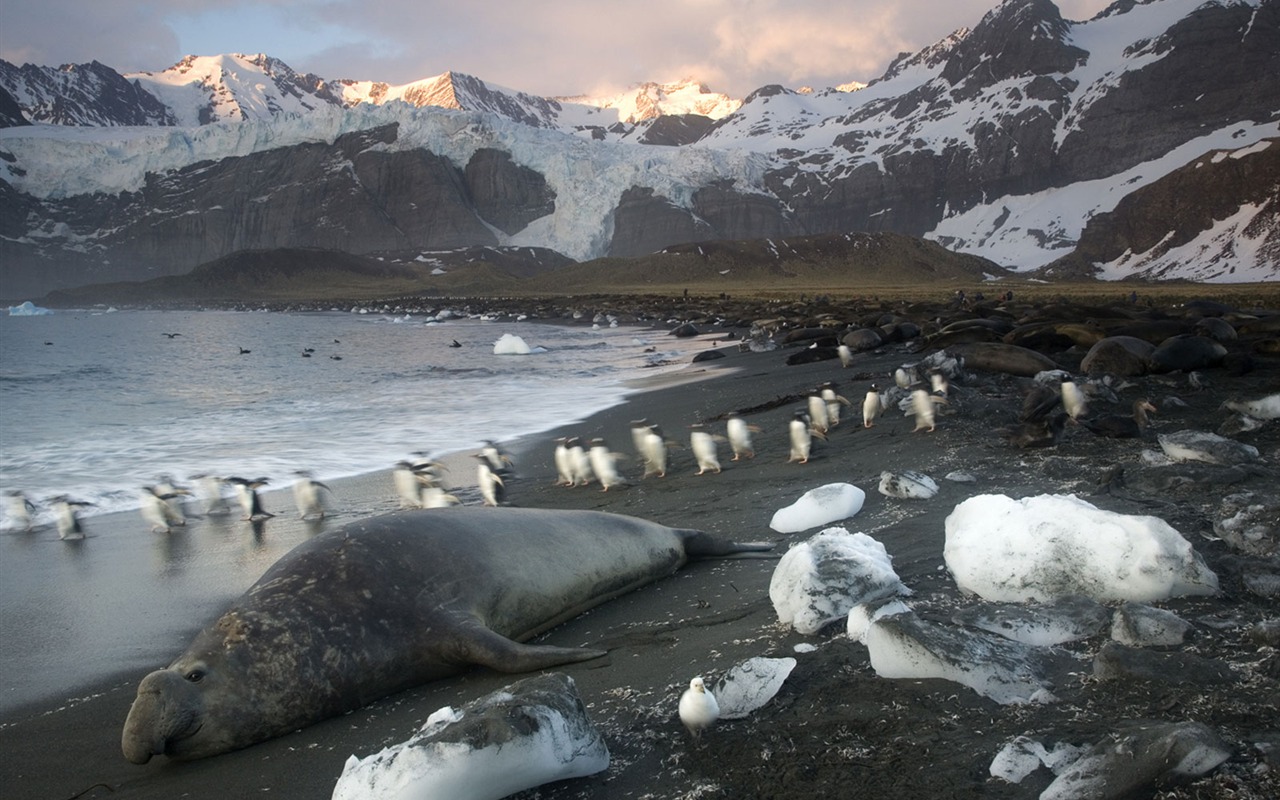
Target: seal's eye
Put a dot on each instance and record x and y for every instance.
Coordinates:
(195, 675)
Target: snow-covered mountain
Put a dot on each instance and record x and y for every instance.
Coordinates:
(1007, 140)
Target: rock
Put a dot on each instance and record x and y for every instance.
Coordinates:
(1265, 633)
(1140, 625)
(1250, 523)
(685, 331)
(1121, 662)
(1190, 445)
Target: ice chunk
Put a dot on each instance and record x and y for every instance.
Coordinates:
(821, 506)
(1066, 620)
(751, 684)
(1051, 546)
(524, 735)
(511, 345)
(819, 580)
(907, 485)
(905, 646)
(28, 309)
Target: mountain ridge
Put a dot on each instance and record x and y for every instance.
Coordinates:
(1002, 140)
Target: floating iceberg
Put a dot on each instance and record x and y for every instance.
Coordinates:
(28, 309)
(511, 345)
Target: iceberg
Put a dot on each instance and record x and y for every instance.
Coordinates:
(28, 309)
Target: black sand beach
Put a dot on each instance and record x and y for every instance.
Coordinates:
(836, 729)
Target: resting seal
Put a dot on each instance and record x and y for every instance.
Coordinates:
(391, 602)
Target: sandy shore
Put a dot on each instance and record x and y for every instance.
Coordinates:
(836, 729)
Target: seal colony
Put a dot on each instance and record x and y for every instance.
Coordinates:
(387, 603)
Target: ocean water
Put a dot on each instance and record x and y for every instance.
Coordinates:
(96, 405)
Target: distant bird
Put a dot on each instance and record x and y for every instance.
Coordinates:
(335, 358)
(245, 352)
(307, 495)
(67, 516)
(703, 444)
(172, 335)
(305, 354)
(1120, 426)
(604, 464)
(739, 432)
(698, 708)
(456, 343)
(845, 354)
(20, 510)
(159, 510)
(250, 501)
(872, 406)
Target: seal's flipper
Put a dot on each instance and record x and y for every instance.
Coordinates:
(480, 645)
(699, 544)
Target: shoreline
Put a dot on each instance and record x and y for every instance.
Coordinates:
(835, 719)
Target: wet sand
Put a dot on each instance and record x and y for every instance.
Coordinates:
(835, 729)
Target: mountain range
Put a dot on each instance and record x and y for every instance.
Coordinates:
(1142, 143)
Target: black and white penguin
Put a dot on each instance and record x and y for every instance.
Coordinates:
(307, 495)
(872, 406)
(655, 453)
(19, 511)
(639, 430)
(922, 406)
(498, 460)
(209, 488)
(604, 464)
(250, 501)
(66, 516)
(817, 410)
(579, 464)
(564, 462)
(158, 509)
(703, 444)
(492, 488)
(1073, 400)
(833, 401)
(800, 433)
(845, 354)
(739, 434)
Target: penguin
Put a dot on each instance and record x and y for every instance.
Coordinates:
(1073, 400)
(580, 465)
(455, 343)
(433, 496)
(407, 487)
(845, 354)
(922, 405)
(66, 516)
(158, 510)
(833, 401)
(211, 499)
(938, 382)
(498, 460)
(604, 464)
(20, 510)
(698, 708)
(904, 378)
(250, 502)
(639, 430)
(818, 412)
(740, 436)
(655, 453)
(801, 434)
(872, 406)
(492, 488)
(564, 463)
(306, 495)
(703, 444)
(173, 493)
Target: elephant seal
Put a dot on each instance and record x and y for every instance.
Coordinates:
(394, 601)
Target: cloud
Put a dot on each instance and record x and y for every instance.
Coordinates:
(554, 47)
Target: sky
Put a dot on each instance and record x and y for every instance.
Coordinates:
(544, 47)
